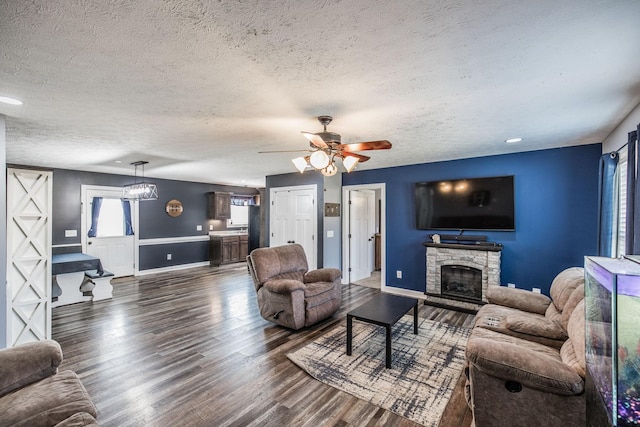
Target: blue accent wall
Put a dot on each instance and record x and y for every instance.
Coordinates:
(556, 197)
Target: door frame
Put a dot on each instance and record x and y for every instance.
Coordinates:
(134, 218)
(313, 263)
(346, 256)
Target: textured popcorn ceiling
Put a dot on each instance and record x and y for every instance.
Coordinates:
(197, 88)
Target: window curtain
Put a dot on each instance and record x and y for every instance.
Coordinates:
(126, 210)
(632, 245)
(606, 197)
(95, 214)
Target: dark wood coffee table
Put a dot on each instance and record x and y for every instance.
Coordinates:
(383, 310)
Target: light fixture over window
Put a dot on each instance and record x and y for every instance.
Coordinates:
(140, 190)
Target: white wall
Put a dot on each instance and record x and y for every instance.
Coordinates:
(618, 137)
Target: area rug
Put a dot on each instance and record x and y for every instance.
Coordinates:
(425, 367)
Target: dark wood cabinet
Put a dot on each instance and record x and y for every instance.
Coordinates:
(228, 249)
(219, 205)
(244, 247)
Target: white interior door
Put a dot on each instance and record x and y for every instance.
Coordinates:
(293, 219)
(114, 248)
(352, 255)
(28, 255)
(361, 233)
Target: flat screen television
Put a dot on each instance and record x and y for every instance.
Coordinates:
(466, 204)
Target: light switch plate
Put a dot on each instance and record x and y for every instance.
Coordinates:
(330, 233)
(70, 233)
(198, 228)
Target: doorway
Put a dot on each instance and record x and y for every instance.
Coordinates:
(293, 219)
(111, 240)
(364, 237)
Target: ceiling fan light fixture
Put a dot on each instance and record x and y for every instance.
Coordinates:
(301, 163)
(319, 159)
(350, 163)
(330, 170)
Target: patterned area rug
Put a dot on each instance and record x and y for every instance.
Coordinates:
(424, 372)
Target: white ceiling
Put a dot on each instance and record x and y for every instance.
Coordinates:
(198, 87)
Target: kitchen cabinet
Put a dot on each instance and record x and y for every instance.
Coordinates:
(227, 249)
(219, 205)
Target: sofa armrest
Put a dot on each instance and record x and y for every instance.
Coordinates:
(532, 369)
(536, 326)
(283, 286)
(518, 298)
(322, 275)
(27, 363)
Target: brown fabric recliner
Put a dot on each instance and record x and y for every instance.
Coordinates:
(513, 381)
(534, 317)
(289, 294)
(34, 393)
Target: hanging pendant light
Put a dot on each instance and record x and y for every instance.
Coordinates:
(140, 190)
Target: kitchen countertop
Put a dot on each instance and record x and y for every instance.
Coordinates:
(229, 233)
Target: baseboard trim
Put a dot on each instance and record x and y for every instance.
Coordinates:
(172, 268)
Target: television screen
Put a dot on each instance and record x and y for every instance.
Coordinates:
(466, 204)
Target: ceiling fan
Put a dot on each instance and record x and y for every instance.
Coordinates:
(328, 145)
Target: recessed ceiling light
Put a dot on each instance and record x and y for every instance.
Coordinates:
(10, 101)
(117, 161)
(512, 140)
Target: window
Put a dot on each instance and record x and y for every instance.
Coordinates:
(111, 219)
(621, 204)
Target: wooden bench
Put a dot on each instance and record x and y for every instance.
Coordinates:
(98, 284)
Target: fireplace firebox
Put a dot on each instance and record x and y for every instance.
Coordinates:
(461, 281)
(459, 275)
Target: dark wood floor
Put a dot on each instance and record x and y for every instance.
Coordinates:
(189, 348)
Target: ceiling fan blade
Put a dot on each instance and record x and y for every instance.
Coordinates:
(369, 145)
(357, 156)
(315, 140)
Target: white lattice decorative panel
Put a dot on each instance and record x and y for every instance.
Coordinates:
(29, 255)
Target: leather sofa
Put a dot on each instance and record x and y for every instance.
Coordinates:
(290, 295)
(33, 393)
(526, 365)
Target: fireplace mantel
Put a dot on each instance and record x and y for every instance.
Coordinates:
(483, 246)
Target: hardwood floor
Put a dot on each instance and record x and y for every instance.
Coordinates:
(189, 348)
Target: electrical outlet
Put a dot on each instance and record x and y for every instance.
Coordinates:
(330, 233)
(399, 274)
(210, 227)
(198, 228)
(168, 257)
(536, 290)
(511, 285)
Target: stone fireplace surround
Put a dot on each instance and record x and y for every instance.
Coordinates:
(484, 257)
